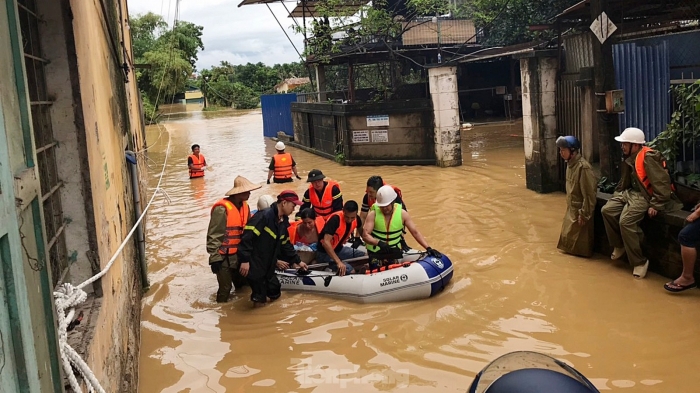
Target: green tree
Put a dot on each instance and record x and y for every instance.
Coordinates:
(170, 53)
(506, 22)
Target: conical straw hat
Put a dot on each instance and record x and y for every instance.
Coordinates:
(241, 185)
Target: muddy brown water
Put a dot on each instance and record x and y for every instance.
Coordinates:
(512, 290)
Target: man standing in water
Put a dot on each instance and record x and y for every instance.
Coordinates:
(281, 166)
(228, 218)
(265, 239)
(581, 185)
(196, 163)
(324, 196)
(383, 230)
(644, 188)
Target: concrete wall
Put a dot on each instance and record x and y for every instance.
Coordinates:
(539, 75)
(660, 243)
(344, 131)
(111, 124)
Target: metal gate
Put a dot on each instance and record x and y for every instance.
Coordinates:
(644, 73)
(277, 114)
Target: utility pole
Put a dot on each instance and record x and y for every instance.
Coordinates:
(436, 19)
(604, 76)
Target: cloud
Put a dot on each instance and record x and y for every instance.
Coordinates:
(237, 35)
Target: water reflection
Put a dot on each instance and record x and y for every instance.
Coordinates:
(512, 289)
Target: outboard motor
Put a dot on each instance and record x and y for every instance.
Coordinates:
(530, 372)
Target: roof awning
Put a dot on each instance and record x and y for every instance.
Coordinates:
(249, 2)
(308, 8)
(492, 53)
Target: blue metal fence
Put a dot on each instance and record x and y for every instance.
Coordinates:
(643, 72)
(277, 114)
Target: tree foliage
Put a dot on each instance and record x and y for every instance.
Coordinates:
(242, 85)
(506, 22)
(170, 53)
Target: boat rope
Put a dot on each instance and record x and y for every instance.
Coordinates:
(67, 297)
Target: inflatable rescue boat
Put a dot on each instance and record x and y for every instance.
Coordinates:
(416, 276)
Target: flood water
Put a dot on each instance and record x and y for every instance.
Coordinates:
(512, 290)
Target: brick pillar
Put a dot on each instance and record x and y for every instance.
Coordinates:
(443, 91)
(321, 82)
(539, 84)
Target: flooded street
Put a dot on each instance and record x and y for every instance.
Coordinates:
(512, 290)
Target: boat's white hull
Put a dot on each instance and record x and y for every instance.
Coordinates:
(421, 279)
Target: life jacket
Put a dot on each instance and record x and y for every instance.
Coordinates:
(340, 237)
(323, 207)
(197, 164)
(293, 228)
(283, 166)
(371, 201)
(391, 235)
(642, 172)
(235, 221)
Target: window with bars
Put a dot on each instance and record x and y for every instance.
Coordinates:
(44, 141)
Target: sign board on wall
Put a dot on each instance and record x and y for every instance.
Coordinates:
(378, 121)
(361, 136)
(380, 136)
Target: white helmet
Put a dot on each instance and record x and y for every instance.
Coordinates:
(265, 201)
(631, 135)
(385, 196)
(279, 146)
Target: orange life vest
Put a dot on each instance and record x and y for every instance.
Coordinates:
(642, 172)
(197, 164)
(235, 221)
(340, 237)
(293, 228)
(324, 206)
(371, 201)
(283, 166)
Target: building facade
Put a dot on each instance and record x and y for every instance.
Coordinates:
(69, 108)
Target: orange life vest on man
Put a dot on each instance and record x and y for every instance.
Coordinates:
(340, 237)
(283, 166)
(235, 221)
(197, 164)
(324, 206)
(371, 201)
(320, 222)
(642, 172)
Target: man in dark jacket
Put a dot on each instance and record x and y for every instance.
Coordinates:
(265, 239)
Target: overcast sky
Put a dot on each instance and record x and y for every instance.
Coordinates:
(237, 35)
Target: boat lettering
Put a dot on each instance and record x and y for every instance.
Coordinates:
(391, 281)
(289, 280)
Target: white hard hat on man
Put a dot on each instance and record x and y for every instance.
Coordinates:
(385, 196)
(279, 146)
(632, 135)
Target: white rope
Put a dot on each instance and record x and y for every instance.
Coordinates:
(67, 297)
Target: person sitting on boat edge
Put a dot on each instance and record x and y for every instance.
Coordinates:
(374, 183)
(305, 232)
(265, 239)
(324, 196)
(282, 166)
(228, 218)
(338, 229)
(383, 230)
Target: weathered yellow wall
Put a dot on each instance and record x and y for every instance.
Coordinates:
(114, 346)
